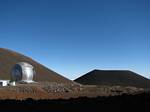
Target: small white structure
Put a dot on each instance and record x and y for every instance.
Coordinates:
(12, 83)
(4, 82)
(22, 72)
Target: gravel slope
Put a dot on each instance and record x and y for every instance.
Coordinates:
(53, 90)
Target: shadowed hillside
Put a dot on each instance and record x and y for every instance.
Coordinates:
(113, 78)
(8, 58)
(123, 103)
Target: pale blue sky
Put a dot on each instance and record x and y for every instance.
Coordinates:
(73, 37)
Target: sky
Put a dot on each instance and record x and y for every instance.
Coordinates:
(73, 37)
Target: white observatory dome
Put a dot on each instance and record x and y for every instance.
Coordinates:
(22, 72)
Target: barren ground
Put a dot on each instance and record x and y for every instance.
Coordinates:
(53, 90)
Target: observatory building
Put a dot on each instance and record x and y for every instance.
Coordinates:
(22, 72)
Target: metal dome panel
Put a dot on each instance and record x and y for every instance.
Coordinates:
(22, 72)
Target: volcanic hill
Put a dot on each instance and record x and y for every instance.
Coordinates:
(114, 78)
(8, 58)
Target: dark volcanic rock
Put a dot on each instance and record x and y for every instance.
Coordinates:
(114, 78)
(123, 103)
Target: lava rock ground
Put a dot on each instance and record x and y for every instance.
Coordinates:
(121, 103)
(53, 90)
(63, 97)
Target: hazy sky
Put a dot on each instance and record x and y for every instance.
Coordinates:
(73, 37)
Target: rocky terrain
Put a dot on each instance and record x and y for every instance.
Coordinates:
(61, 97)
(53, 90)
(122, 103)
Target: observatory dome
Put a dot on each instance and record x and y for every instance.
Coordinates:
(22, 72)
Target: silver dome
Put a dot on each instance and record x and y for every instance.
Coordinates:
(22, 72)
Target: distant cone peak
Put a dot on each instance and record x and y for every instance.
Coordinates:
(114, 78)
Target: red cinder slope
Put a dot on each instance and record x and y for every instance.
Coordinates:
(8, 58)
